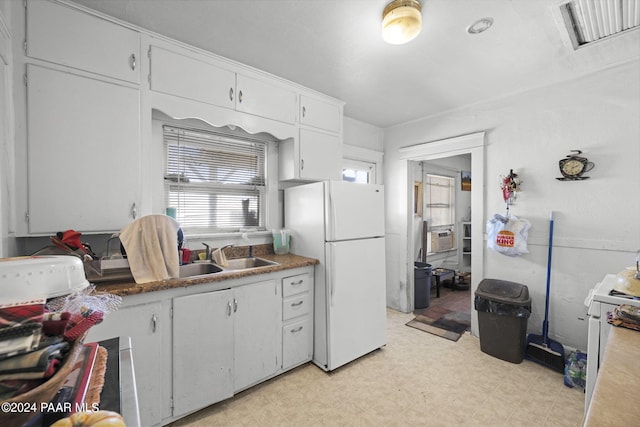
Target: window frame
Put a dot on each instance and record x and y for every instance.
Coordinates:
(227, 136)
(359, 165)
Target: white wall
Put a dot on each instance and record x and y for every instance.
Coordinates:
(597, 229)
(7, 197)
(363, 135)
(363, 142)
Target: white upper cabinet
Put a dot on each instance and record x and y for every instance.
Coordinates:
(320, 156)
(83, 152)
(70, 37)
(191, 77)
(201, 78)
(315, 156)
(264, 99)
(320, 114)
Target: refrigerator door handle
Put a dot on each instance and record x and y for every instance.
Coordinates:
(333, 281)
(331, 223)
(332, 273)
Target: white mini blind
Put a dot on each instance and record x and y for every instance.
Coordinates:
(215, 181)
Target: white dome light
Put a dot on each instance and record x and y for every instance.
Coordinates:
(401, 21)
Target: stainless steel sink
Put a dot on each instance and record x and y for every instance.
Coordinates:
(198, 269)
(244, 263)
(202, 268)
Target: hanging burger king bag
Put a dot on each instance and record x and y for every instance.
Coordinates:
(508, 235)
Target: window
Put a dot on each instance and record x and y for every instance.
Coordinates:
(215, 181)
(440, 200)
(359, 172)
(439, 212)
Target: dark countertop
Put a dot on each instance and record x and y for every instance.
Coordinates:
(286, 262)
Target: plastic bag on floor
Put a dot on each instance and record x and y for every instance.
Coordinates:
(575, 370)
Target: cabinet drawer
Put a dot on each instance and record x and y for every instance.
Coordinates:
(295, 284)
(295, 306)
(297, 346)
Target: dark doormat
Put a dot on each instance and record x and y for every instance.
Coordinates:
(442, 322)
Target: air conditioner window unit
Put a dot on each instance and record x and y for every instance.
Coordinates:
(442, 241)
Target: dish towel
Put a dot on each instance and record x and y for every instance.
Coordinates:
(151, 243)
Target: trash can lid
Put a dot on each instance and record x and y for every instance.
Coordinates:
(503, 291)
(418, 264)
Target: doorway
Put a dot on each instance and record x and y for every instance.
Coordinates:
(473, 145)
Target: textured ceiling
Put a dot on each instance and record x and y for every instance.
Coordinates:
(335, 47)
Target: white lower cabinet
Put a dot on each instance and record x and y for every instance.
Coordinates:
(256, 332)
(297, 312)
(202, 338)
(223, 342)
(142, 323)
(297, 342)
(198, 345)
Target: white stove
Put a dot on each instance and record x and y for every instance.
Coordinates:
(601, 300)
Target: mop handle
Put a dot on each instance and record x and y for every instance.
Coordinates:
(545, 324)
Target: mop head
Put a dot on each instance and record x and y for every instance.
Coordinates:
(550, 355)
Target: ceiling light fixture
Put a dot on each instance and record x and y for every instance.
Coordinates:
(480, 26)
(401, 21)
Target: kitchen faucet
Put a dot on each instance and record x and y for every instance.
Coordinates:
(207, 252)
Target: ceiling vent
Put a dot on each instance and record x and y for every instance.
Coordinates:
(591, 20)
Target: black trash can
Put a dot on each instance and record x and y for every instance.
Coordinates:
(503, 309)
(422, 284)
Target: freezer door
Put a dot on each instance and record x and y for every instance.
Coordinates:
(356, 299)
(353, 211)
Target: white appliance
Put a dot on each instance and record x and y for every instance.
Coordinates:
(342, 225)
(601, 300)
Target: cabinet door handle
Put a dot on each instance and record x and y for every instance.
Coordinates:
(134, 210)
(296, 330)
(229, 308)
(298, 283)
(132, 61)
(231, 94)
(295, 304)
(240, 97)
(235, 305)
(304, 111)
(301, 164)
(154, 323)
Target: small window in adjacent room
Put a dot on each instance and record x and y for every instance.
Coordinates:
(440, 200)
(360, 172)
(215, 181)
(439, 194)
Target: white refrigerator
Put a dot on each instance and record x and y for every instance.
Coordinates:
(342, 225)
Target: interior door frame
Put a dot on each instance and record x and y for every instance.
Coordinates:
(473, 144)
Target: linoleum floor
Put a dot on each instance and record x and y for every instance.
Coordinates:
(417, 379)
